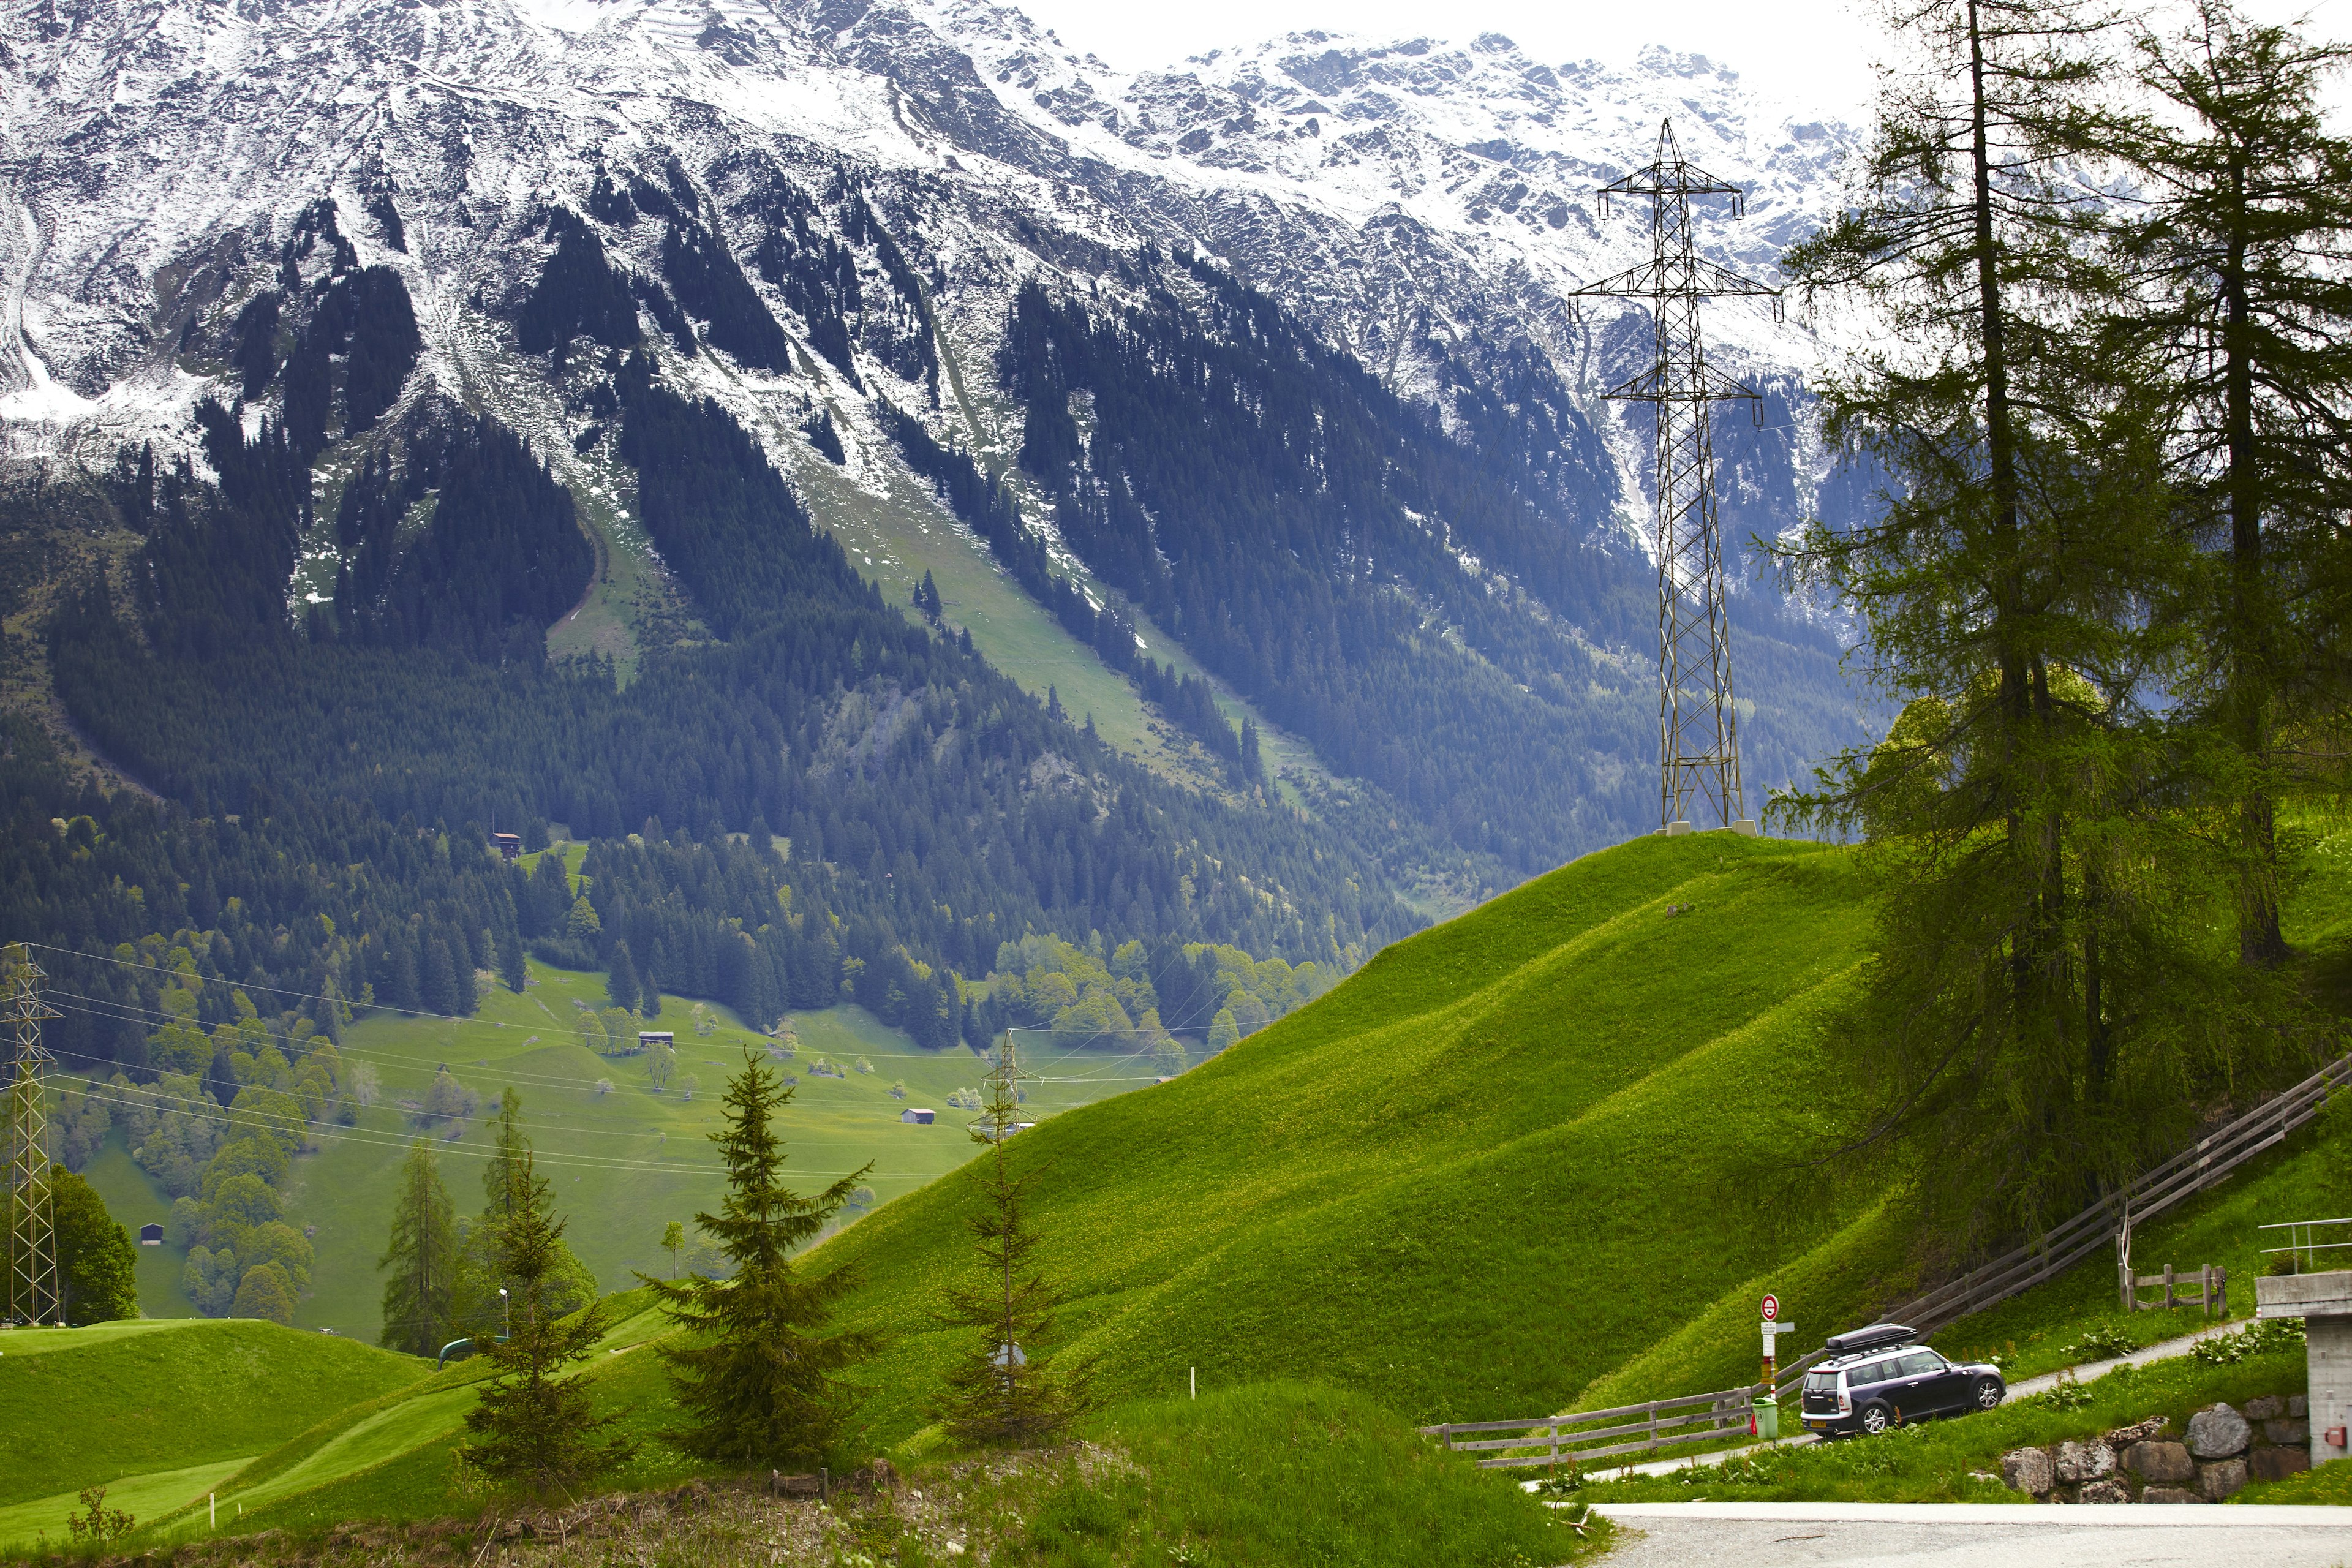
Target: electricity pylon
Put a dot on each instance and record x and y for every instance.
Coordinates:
(1001, 1115)
(33, 1290)
(1698, 737)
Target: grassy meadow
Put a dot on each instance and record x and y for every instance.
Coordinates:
(1541, 1156)
(626, 1161)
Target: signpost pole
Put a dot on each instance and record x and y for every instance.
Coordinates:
(1768, 1408)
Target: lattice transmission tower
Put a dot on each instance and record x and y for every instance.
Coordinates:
(35, 1294)
(1698, 735)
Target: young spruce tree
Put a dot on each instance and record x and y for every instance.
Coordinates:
(535, 1429)
(1006, 1388)
(422, 1258)
(758, 1381)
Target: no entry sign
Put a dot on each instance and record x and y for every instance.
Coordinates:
(1771, 1307)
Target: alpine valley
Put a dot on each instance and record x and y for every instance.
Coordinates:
(889, 486)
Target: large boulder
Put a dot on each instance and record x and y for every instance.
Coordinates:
(2269, 1407)
(2085, 1461)
(2218, 1433)
(2291, 1431)
(2160, 1462)
(2223, 1479)
(2170, 1494)
(2027, 1470)
(2277, 1464)
(2122, 1438)
(2104, 1492)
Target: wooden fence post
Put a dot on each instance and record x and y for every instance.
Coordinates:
(2123, 1285)
(2170, 1300)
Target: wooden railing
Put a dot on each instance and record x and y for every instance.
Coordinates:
(1658, 1424)
(2203, 1165)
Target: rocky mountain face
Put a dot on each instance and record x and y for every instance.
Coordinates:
(348, 221)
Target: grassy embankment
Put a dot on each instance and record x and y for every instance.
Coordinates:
(1430, 1186)
(1487, 1177)
(1960, 1460)
(163, 1411)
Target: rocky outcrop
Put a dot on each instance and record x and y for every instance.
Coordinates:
(2159, 1462)
(2027, 1470)
(2218, 1433)
(2081, 1462)
(2223, 1451)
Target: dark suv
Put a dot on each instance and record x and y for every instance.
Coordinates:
(1877, 1378)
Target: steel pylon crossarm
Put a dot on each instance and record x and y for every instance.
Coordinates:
(1698, 740)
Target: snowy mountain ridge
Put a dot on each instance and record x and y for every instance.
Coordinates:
(1414, 202)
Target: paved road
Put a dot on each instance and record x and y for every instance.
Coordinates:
(2163, 1350)
(1964, 1535)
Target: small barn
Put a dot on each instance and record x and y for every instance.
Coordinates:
(151, 1234)
(917, 1115)
(648, 1038)
(508, 845)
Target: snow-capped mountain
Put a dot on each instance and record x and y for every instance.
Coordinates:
(1268, 363)
(1415, 203)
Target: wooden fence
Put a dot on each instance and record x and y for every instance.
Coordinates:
(2208, 1286)
(1658, 1424)
(2203, 1165)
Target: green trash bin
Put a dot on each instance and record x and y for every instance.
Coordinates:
(1767, 1419)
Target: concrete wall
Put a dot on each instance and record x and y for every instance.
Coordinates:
(2330, 1361)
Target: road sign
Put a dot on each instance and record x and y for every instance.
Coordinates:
(1771, 1307)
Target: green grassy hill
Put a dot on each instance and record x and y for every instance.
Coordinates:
(625, 1161)
(159, 1412)
(1509, 1154)
(1534, 1158)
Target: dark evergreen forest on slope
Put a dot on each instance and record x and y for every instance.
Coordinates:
(1334, 552)
(827, 793)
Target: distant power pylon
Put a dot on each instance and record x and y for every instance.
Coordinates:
(33, 1290)
(1699, 735)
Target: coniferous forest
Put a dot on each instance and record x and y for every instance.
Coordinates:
(824, 796)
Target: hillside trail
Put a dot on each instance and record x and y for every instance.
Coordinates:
(2163, 1350)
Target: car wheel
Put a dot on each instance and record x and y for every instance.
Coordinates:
(1990, 1393)
(1873, 1419)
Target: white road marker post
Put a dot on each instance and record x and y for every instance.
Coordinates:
(1193, 1379)
(212, 1511)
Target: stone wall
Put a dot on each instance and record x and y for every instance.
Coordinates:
(2220, 1452)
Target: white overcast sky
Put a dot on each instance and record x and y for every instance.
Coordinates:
(1816, 52)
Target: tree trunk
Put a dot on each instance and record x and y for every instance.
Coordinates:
(2260, 940)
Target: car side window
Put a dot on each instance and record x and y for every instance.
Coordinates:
(1921, 1364)
(1870, 1371)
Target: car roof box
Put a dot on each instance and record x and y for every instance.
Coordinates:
(1878, 1336)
